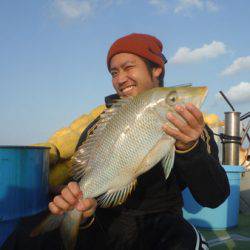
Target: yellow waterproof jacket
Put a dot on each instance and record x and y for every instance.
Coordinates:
(63, 144)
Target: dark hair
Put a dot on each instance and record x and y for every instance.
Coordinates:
(150, 66)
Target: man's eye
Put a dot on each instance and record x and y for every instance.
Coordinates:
(113, 73)
(128, 67)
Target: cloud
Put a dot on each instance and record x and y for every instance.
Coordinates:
(161, 5)
(239, 64)
(73, 9)
(187, 5)
(212, 6)
(81, 9)
(238, 94)
(186, 55)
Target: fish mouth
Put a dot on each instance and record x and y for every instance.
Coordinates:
(198, 96)
(202, 95)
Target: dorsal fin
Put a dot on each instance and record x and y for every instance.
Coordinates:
(82, 156)
(117, 104)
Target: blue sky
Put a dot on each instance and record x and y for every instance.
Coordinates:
(53, 56)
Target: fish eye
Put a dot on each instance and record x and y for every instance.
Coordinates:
(171, 98)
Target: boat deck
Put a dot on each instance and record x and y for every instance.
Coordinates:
(235, 238)
(238, 237)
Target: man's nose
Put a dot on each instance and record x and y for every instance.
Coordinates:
(122, 77)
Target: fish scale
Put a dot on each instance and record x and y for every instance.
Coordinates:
(123, 155)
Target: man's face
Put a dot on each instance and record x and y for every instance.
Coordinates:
(130, 75)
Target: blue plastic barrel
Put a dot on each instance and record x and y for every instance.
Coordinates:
(23, 184)
(6, 228)
(222, 217)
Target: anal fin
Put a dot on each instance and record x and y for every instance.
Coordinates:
(115, 198)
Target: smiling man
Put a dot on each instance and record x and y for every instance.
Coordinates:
(130, 75)
(151, 218)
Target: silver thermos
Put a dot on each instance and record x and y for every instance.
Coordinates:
(231, 144)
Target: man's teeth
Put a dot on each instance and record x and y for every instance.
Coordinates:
(127, 88)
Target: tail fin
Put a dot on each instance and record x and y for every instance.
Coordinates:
(50, 223)
(69, 228)
(68, 223)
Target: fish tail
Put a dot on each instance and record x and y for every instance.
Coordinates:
(51, 222)
(70, 227)
(68, 223)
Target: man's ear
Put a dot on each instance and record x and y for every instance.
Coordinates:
(156, 72)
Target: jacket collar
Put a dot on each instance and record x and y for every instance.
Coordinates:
(110, 99)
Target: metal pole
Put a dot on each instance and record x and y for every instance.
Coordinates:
(231, 146)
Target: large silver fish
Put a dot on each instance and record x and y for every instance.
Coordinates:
(128, 141)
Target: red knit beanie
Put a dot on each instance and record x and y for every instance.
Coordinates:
(146, 46)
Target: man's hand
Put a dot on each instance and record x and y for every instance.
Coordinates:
(70, 198)
(189, 130)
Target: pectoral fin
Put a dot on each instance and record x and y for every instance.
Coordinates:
(168, 162)
(162, 150)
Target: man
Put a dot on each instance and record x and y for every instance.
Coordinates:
(151, 218)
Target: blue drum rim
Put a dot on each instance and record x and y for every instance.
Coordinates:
(234, 169)
(21, 147)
